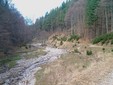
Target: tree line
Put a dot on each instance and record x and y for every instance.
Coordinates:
(87, 18)
(54, 19)
(13, 30)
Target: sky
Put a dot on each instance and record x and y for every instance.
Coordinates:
(34, 9)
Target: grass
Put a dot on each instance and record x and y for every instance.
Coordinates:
(36, 53)
(39, 76)
(62, 70)
(60, 38)
(106, 38)
(76, 59)
(56, 71)
(63, 38)
(74, 45)
(55, 37)
(76, 51)
(9, 61)
(11, 64)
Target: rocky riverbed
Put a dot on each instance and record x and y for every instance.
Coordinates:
(24, 72)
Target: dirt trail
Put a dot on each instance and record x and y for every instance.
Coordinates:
(23, 73)
(108, 80)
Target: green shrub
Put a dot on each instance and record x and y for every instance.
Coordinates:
(74, 45)
(103, 49)
(104, 39)
(61, 42)
(112, 50)
(63, 39)
(73, 37)
(107, 42)
(55, 37)
(78, 42)
(112, 41)
(89, 52)
(97, 40)
(76, 51)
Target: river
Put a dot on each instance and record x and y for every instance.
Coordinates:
(24, 72)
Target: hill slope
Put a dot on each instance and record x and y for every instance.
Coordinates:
(87, 18)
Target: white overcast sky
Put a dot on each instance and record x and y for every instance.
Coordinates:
(35, 8)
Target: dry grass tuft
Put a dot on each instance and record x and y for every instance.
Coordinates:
(77, 69)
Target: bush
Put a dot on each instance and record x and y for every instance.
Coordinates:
(76, 51)
(103, 42)
(63, 39)
(112, 50)
(112, 41)
(103, 39)
(55, 37)
(103, 49)
(89, 52)
(74, 45)
(107, 42)
(73, 37)
(61, 42)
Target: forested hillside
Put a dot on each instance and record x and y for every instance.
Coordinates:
(13, 30)
(87, 18)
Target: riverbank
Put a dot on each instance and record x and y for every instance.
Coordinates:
(83, 65)
(23, 72)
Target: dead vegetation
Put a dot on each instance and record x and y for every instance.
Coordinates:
(77, 68)
(35, 53)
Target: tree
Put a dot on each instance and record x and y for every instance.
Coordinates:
(13, 30)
